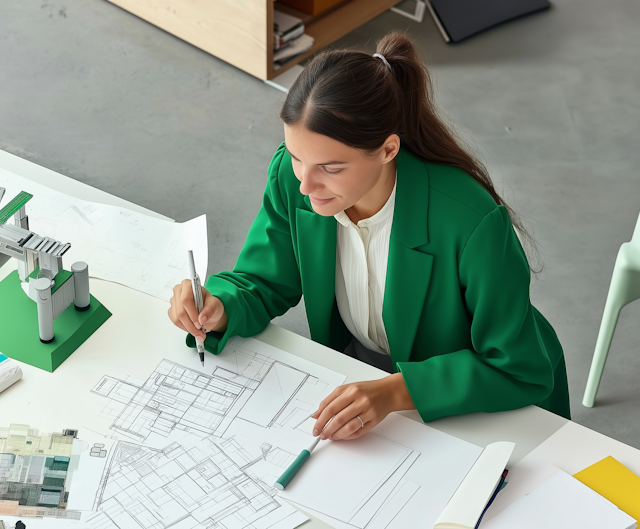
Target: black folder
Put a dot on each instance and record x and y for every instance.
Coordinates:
(463, 18)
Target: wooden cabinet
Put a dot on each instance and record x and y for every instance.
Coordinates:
(240, 32)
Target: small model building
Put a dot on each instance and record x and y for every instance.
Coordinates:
(40, 266)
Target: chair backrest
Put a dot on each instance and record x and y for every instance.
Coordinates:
(635, 239)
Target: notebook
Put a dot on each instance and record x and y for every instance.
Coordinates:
(470, 500)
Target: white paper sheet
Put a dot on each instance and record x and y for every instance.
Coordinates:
(572, 448)
(561, 502)
(340, 477)
(93, 451)
(394, 504)
(429, 483)
(118, 244)
(391, 487)
(383, 506)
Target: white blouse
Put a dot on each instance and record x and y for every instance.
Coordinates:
(362, 255)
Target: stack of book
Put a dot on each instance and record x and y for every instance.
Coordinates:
(289, 38)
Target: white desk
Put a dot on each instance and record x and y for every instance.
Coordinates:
(139, 334)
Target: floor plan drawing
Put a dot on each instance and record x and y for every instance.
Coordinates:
(206, 485)
(248, 385)
(196, 447)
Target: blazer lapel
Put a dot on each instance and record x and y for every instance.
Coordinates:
(408, 269)
(317, 239)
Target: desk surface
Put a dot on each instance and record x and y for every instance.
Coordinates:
(139, 335)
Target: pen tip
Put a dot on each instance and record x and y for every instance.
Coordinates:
(203, 363)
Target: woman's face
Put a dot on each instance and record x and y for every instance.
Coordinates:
(336, 176)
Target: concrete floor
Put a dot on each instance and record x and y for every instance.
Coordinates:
(549, 101)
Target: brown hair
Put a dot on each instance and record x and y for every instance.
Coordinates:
(356, 99)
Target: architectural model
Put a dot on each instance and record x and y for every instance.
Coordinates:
(40, 266)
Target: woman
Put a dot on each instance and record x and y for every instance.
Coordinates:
(404, 252)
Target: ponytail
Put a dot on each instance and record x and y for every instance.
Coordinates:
(360, 100)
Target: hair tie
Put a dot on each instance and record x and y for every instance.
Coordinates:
(380, 56)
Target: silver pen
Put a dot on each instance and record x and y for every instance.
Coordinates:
(197, 297)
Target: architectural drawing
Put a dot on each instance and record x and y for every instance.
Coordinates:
(35, 472)
(202, 447)
(254, 388)
(207, 485)
(123, 246)
(97, 450)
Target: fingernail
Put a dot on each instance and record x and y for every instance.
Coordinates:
(315, 432)
(323, 437)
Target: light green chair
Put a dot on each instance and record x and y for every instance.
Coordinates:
(624, 288)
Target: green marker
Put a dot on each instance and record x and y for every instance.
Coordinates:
(295, 466)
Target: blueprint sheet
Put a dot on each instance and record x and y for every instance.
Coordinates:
(192, 447)
(197, 447)
(118, 244)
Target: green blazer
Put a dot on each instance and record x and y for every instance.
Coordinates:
(457, 314)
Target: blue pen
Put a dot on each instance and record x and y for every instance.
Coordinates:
(493, 497)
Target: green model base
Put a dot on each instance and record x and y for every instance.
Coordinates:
(19, 338)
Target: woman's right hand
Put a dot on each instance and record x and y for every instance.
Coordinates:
(184, 315)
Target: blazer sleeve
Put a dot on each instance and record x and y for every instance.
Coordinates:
(508, 367)
(265, 281)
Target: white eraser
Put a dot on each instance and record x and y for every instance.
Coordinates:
(10, 372)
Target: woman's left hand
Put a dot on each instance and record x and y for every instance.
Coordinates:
(372, 401)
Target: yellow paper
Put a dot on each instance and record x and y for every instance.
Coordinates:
(614, 481)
